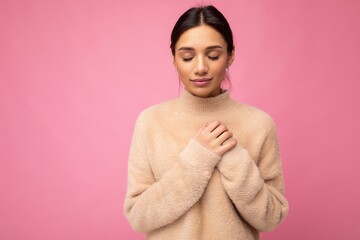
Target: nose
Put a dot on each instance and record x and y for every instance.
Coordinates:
(201, 67)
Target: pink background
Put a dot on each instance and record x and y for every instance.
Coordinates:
(74, 75)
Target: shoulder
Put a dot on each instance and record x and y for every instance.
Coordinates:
(155, 112)
(252, 117)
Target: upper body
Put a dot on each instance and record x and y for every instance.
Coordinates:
(204, 166)
(179, 189)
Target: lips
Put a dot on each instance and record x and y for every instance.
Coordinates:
(201, 82)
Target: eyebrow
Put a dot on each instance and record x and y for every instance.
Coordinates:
(208, 48)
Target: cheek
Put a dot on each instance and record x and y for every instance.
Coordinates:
(183, 69)
(183, 74)
(219, 69)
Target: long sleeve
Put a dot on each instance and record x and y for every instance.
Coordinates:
(257, 190)
(152, 204)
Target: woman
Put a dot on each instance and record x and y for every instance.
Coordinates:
(204, 166)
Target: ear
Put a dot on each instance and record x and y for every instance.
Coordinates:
(231, 58)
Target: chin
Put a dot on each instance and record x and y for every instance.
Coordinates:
(203, 92)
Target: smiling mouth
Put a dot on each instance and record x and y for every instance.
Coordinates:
(199, 80)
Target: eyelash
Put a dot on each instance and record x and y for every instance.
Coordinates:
(211, 58)
(187, 59)
(214, 58)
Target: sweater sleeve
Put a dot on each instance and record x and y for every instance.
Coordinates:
(257, 191)
(151, 204)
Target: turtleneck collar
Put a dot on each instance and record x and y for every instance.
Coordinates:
(203, 105)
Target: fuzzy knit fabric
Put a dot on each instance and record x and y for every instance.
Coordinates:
(178, 189)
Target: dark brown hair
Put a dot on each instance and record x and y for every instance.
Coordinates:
(197, 16)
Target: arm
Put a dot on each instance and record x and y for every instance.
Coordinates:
(257, 191)
(151, 204)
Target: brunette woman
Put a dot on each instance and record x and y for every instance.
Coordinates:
(203, 166)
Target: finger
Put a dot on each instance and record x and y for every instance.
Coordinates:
(211, 126)
(227, 147)
(219, 130)
(201, 129)
(223, 137)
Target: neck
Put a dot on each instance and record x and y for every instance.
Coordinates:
(202, 105)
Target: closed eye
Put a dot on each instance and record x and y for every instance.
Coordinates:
(187, 59)
(214, 58)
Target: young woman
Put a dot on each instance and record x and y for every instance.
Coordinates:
(204, 166)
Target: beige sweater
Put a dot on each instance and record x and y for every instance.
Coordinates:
(178, 189)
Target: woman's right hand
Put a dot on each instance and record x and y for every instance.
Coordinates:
(216, 137)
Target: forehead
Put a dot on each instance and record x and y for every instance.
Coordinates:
(200, 37)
